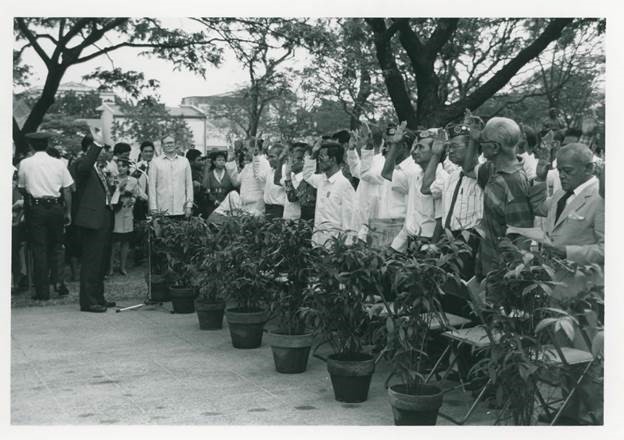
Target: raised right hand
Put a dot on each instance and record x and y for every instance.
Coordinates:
(399, 132)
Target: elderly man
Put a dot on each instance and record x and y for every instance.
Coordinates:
(335, 196)
(508, 198)
(170, 182)
(462, 197)
(575, 214)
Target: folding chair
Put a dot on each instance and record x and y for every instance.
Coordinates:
(437, 324)
(479, 337)
(564, 358)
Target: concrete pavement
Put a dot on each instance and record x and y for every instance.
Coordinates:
(153, 367)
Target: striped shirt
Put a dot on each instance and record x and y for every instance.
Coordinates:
(468, 209)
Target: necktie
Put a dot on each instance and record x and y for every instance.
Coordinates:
(447, 223)
(562, 203)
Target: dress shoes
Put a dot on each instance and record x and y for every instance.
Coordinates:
(96, 308)
(62, 290)
(109, 304)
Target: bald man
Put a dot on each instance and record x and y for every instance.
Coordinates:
(575, 214)
(508, 198)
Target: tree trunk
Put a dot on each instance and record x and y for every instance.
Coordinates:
(45, 101)
(254, 117)
(18, 139)
(361, 98)
(392, 76)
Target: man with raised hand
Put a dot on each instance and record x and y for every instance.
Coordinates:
(423, 211)
(335, 196)
(508, 197)
(367, 167)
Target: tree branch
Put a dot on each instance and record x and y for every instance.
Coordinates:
(479, 96)
(33, 42)
(440, 36)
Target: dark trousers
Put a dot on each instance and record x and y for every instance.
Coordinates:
(45, 223)
(96, 245)
(307, 213)
(274, 211)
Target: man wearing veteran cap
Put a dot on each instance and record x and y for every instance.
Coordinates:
(462, 198)
(42, 178)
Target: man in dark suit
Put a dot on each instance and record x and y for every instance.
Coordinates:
(94, 217)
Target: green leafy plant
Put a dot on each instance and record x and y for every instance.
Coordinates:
(292, 259)
(520, 295)
(418, 281)
(178, 241)
(243, 243)
(347, 277)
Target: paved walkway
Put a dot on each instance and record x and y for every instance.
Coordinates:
(153, 367)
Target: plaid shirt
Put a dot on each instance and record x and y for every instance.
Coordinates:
(508, 200)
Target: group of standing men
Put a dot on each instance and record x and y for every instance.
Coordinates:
(384, 186)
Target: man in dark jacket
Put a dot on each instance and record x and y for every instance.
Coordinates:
(94, 217)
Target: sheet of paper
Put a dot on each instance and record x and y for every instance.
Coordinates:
(532, 233)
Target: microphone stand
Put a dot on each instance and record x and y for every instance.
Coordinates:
(148, 299)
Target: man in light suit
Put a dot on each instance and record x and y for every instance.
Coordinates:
(575, 226)
(575, 214)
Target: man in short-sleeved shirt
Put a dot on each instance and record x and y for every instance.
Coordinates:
(42, 178)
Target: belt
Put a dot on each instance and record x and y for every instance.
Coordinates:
(46, 201)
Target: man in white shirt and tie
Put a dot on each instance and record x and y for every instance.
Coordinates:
(335, 195)
(170, 182)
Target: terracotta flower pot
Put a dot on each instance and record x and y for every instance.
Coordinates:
(290, 352)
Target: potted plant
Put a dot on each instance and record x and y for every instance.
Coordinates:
(178, 242)
(520, 295)
(292, 259)
(250, 284)
(346, 276)
(418, 280)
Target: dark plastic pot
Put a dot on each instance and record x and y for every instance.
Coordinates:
(350, 376)
(246, 327)
(210, 314)
(290, 352)
(420, 408)
(182, 299)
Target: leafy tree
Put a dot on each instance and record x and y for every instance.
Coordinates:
(345, 69)
(150, 119)
(452, 63)
(568, 75)
(65, 42)
(262, 46)
(68, 130)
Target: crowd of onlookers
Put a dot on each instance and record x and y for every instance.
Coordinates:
(385, 185)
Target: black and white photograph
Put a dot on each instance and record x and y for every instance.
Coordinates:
(369, 217)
